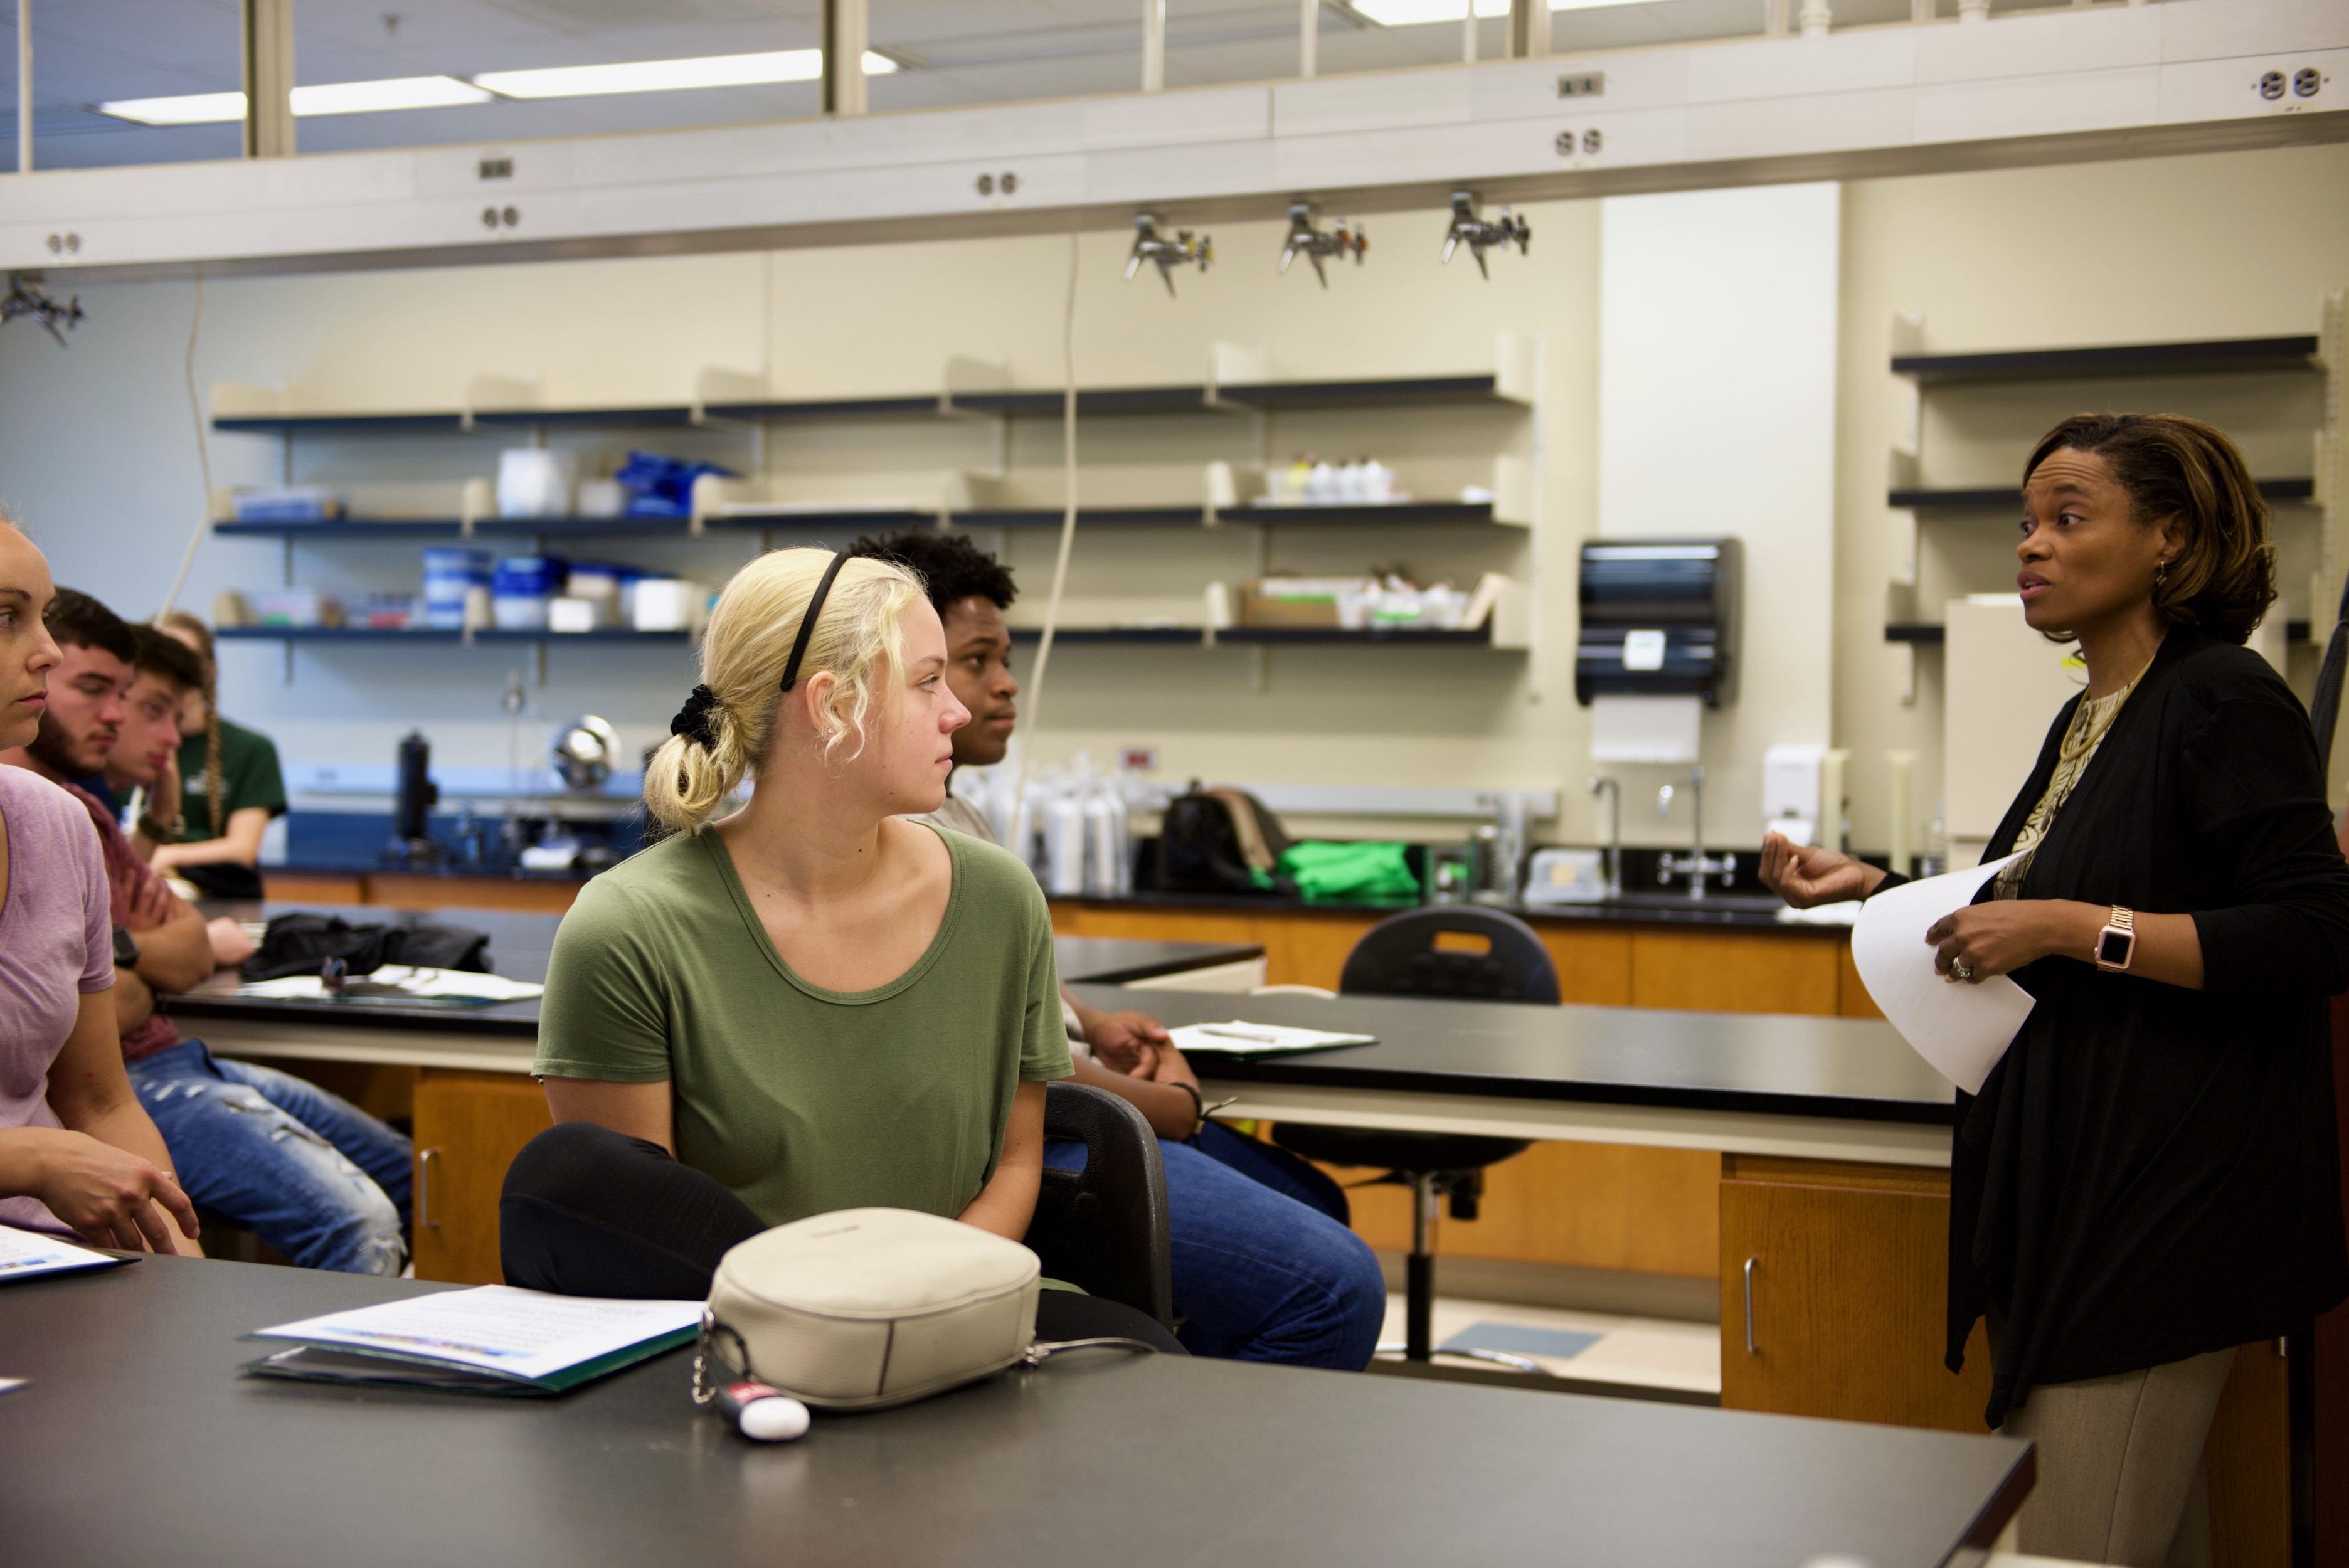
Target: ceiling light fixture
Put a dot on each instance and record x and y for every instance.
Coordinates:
(327, 97)
(1413, 13)
(669, 76)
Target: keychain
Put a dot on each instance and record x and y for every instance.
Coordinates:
(759, 1412)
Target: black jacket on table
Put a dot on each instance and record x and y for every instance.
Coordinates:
(2151, 1172)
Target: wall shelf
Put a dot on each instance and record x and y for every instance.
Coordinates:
(1199, 398)
(1932, 634)
(1988, 497)
(405, 529)
(1161, 636)
(1480, 638)
(427, 635)
(2227, 355)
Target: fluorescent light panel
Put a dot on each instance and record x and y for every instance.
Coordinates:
(327, 97)
(1411, 13)
(669, 76)
(557, 81)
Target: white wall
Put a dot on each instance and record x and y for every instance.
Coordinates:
(1717, 325)
(99, 456)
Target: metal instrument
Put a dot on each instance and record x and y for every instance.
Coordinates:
(584, 752)
(27, 298)
(1149, 245)
(1480, 234)
(1347, 239)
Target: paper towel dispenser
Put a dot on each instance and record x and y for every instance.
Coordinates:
(1659, 619)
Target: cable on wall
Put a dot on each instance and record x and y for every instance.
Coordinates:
(203, 450)
(1067, 515)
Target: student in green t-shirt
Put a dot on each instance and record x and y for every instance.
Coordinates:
(230, 782)
(808, 1004)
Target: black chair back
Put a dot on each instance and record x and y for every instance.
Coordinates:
(1403, 955)
(1104, 1228)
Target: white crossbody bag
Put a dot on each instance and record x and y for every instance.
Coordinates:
(866, 1308)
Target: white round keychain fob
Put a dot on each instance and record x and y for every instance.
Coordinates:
(762, 1414)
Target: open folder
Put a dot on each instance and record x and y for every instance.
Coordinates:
(490, 1339)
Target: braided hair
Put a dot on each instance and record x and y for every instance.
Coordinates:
(193, 629)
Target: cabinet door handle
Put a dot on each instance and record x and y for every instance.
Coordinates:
(1750, 1349)
(424, 1222)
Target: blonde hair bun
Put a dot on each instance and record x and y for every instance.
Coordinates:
(859, 634)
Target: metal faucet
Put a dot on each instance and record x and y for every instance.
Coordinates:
(1612, 788)
(1695, 865)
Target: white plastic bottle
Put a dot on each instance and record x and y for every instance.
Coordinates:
(1064, 843)
(1109, 865)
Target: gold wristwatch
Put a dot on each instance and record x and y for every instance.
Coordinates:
(2116, 943)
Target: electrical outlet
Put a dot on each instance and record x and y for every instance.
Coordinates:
(1582, 84)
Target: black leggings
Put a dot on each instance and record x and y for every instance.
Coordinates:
(590, 1211)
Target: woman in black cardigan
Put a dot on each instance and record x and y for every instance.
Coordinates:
(2150, 1177)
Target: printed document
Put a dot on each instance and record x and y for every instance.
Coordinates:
(525, 1335)
(1237, 1038)
(1961, 1028)
(24, 1254)
(397, 983)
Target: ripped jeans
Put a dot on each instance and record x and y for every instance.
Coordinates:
(309, 1173)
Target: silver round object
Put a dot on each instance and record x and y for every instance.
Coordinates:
(584, 752)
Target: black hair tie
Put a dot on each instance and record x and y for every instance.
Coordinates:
(692, 720)
(807, 622)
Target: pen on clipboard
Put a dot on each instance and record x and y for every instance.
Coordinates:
(1240, 1032)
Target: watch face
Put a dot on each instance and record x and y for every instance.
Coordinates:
(2112, 947)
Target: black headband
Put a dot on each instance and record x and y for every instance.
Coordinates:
(807, 620)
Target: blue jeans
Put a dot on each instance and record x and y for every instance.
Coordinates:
(1265, 1268)
(311, 1174)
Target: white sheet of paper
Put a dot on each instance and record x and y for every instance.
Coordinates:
(421, 982)
(1255, 1038)
(498, 1327)
(1961, 1029)
(24, 1253)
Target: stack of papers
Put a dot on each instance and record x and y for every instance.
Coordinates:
(24, 1254)
(1238, 1039)
(401, 984)
(492, 1339)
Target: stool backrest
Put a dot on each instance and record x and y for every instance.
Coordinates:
(1105, 1228)
(1468, 954)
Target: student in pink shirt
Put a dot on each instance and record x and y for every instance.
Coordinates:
(77, 1152)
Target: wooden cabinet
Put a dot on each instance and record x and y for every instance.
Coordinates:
(1578, 1205)
(1736, 971)
(1841, 1271)
(469, 1128)
(402, 890)
(1848, 1271)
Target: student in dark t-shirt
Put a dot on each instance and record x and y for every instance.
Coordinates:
(229, 783)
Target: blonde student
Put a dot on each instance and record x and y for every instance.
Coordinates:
(802, 1003)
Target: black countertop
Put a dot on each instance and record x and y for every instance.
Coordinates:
(520, 943)
(1854, 1068)
(137, 1440)
(1722, 911)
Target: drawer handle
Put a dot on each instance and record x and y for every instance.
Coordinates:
(1750, 1350)
(424, 1221)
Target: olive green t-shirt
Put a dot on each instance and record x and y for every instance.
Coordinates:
(250, 776)
(800, 1099)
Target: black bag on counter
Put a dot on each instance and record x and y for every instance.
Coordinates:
(1219, 841)
(298, 944)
